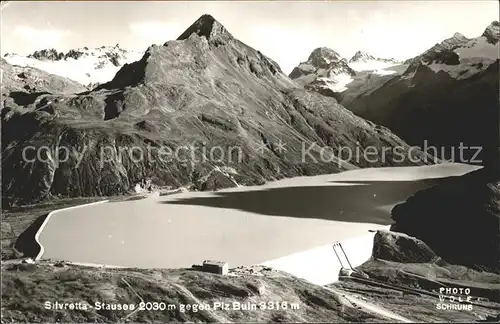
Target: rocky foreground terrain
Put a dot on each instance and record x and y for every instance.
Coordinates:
(410, 291)
(46, 282)
(204, 90)
(406, 277)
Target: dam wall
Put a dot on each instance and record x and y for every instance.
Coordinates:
(321, 265)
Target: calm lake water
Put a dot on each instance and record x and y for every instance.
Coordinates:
(243, 226)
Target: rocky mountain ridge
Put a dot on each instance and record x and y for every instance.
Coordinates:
(366, 57)
(449, 44)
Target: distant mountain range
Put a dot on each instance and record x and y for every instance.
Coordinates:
(362, 61)
(206, 89)
(364, 57)
(94, 66)
(88, 66)
(326, 72)
(447, 97)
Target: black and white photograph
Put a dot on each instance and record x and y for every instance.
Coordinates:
(250, 161)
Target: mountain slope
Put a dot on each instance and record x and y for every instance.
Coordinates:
(17, 79)
(459, 220)
(201, 104)
(86, 66)
(446, 98)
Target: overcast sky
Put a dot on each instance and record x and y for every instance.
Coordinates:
(283, 30)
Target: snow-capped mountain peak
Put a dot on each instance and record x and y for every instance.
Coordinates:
(88, 66)
(322, 57)
(327, 72)
(366, 57)
(362, 61)
(325, 69)
(361, 57)
(461, 57)
(114, 53)
(449, 44)
(454, 41)
(492, 32)
(46, 54)
(458, 36)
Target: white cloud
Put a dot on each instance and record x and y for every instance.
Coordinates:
(155, 31)
(41, 38)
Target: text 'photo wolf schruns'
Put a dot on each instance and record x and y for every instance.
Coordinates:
(250, 161)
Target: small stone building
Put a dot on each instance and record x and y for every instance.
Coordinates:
(218, 267)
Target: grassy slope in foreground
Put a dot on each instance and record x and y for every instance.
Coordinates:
(45, 282)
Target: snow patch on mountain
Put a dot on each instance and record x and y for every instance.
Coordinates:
(375, 66)
(329, 73)
(324, 70)
(474, 56)
(362, 61)
(337, 83)
(448, 44)
(86, 66)
(461, 57)
(384, 71)
(479, 47)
